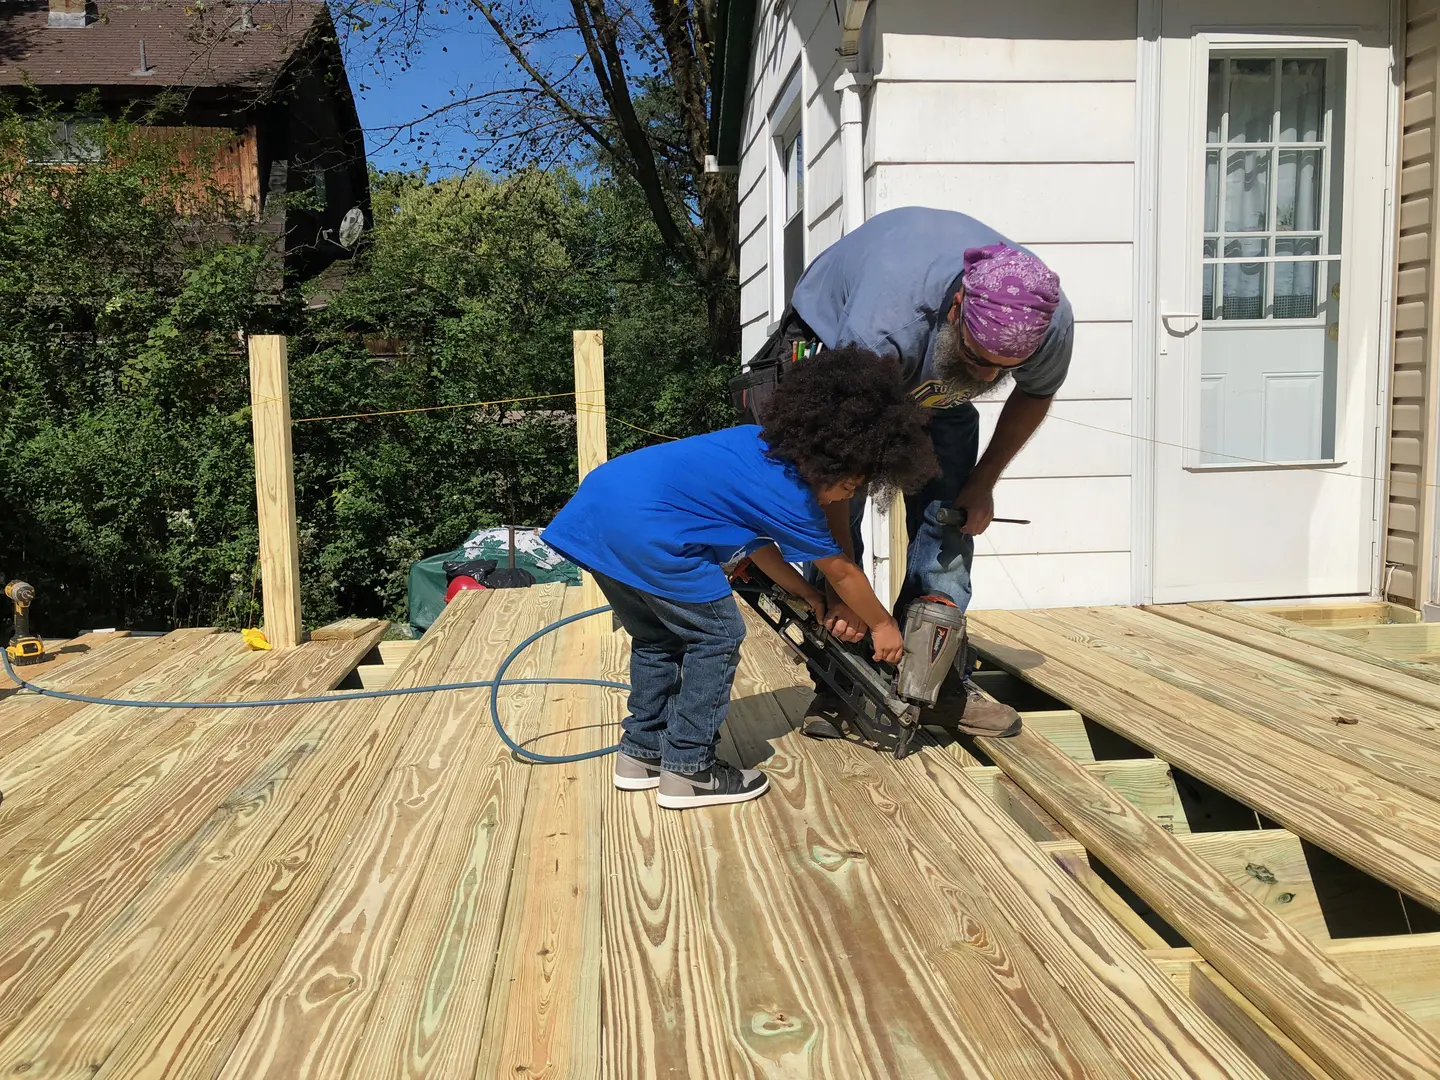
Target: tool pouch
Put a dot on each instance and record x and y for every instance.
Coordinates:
(750, 392)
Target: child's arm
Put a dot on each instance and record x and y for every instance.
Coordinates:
(850, 584)
(783, 574)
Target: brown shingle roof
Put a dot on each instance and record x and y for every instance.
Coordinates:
(187, 44)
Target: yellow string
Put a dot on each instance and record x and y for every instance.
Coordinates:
(441, 408)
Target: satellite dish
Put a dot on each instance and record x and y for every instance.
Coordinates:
(351, 226)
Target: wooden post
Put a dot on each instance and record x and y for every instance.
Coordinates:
(275, 490)
(899, 546)
(590, 423)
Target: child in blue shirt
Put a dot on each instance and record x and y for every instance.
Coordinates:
(656, 528)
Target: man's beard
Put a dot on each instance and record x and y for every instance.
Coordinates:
(955, 372)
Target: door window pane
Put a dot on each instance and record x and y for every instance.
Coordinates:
(1247, 191)
(1252, 99)
(1297, 195)
(1302, 100)
(1269, 306)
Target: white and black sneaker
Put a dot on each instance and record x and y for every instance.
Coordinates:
(721, 783)
(633, 774)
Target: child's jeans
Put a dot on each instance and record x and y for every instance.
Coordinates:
(682, 664)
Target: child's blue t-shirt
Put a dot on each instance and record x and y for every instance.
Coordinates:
(666, 519)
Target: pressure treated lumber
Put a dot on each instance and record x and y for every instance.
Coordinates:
(62, 654)
(1269, 864)
(1146, 782)
(592, 448)
(26, 717)
(156, 850)
(349, 629)
(186, 1026)
(275, 490)
(427, 1017)
(1327, 616)
(1398, 641)
(1143, 1023)
(1388, 737)
(893, 938)
(1345, 1025)
(543, 1016)
(1410, 680)
(311, 1020)
(1371, 823)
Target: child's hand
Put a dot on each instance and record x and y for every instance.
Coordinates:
(889, 642)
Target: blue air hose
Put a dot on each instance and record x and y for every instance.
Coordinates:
(494, 684)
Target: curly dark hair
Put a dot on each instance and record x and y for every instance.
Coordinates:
(844, 414)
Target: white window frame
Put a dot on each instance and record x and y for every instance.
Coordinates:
(786, 121)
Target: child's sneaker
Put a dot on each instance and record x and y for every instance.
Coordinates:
(721, 783)
(632, 774)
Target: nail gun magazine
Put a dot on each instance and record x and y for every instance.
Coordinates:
(887, 702)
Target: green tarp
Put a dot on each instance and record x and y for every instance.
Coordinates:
(427, 577)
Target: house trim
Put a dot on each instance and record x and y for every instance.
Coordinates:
(1146, 326)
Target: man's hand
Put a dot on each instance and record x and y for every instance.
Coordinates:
(889, 642)
(844, 623)
(977, 499)
(815, 599)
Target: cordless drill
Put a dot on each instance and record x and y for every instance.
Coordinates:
(24, 647)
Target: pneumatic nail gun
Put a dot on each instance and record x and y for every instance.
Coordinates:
(885, 700)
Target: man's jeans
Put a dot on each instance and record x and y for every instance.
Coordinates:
(682, 664)
(939, 557)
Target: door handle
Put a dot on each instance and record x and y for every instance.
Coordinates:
(1169, 331)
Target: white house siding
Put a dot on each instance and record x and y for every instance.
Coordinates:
(801, 35)
(971, 111)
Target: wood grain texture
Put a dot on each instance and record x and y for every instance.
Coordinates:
(592, 447)
(873, 925)
(275, 490)
(1145, 782)
(543, 1018)
(1275, 1052)
(47, 775)
(1003, 902)
(1386, 736)
(190, 1023)
(1071, 857)
(1066, 729)
(106, 673)
(1411, 680)
(1345, 1025)
(661, 986)
(134, 875)
(349, 629)
(1376, 825)
(1269, 864)
(310, 1021)
(63, 653)
(1373, 613)
(428, 1012)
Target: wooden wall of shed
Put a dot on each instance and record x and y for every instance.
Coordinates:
(1409, 530)
(230, 154)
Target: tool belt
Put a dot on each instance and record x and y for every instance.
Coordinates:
(750, 392)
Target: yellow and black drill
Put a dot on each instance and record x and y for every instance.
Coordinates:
(24, 647)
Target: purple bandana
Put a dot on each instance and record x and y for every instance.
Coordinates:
(1009, 298)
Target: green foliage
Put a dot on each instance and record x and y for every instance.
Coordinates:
(126, 476)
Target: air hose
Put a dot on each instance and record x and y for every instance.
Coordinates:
(494, 684)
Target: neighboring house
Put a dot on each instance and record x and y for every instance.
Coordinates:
(1238, 199)
(266, 79)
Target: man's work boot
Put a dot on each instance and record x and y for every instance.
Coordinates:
(968, 709)
(825, 719)
(983, 715)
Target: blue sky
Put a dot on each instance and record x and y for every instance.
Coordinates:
(459, 56)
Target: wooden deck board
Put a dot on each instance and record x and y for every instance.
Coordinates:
(157, 850)
(313, 1016)
(1374, 824)
(191, 1022)
(376, 888)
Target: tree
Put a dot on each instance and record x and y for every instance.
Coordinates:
(627, 87)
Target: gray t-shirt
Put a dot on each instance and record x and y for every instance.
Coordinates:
(889, 285)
